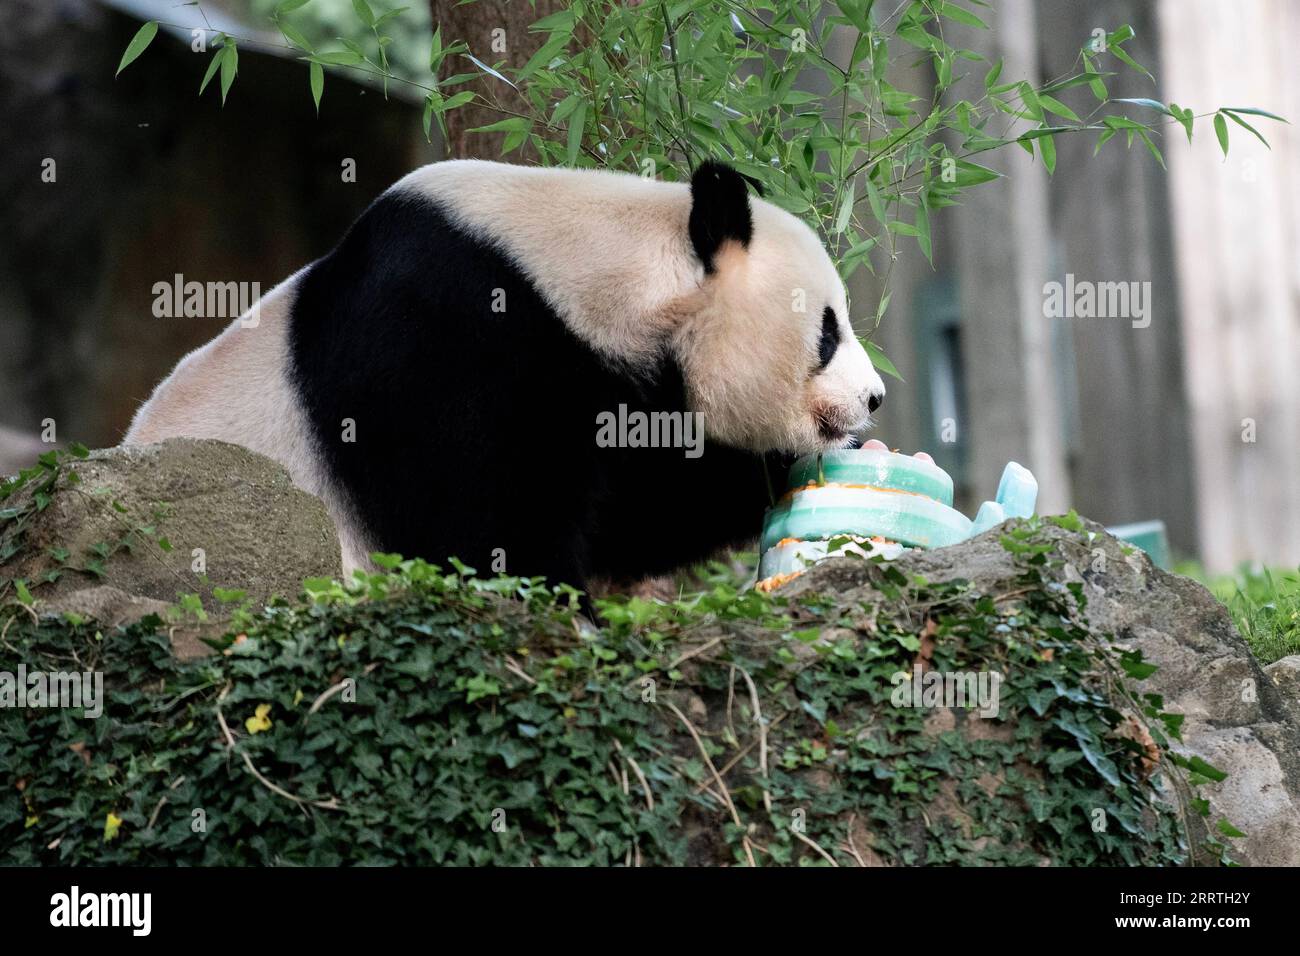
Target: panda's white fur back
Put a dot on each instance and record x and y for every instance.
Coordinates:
(609, 252)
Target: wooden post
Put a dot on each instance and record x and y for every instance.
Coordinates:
(1000, 250)
(1130, 457)
(1237, 241)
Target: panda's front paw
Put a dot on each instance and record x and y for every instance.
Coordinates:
(875, 444)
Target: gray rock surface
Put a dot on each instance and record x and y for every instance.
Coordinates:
(1285, 673)
(108, 605)
(1237, 717)
(235, 510)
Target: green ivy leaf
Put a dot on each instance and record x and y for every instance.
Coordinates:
(1135, 666)
(1227, 829)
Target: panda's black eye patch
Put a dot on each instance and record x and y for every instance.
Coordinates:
(830, 340)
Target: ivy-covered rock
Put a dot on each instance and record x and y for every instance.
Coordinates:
(426, 716)
(151, 522)
(1241, 723)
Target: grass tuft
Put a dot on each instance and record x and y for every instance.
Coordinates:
(1265, 604)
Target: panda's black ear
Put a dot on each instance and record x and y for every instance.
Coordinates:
(719, 210)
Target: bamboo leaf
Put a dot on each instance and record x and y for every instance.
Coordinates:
(295, 36)
(1057, 107)
(1047, 149)
(1184, 116)
(337, 58)
(846, 208)
(487, 69)
(317, 84)
(879, 359)
(576, 121)
(1146, 138)
(1241, 122)
(229, 67)
(213, 65)
(992, 75)
(959, 15)
(1149, 103)
(435, 49)
(143, 37)
(1123, 57)
(1255, 112)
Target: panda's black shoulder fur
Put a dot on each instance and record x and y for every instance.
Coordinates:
(475, 429)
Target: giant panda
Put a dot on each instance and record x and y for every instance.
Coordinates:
(438, 379)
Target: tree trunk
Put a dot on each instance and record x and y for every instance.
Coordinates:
(496, 31)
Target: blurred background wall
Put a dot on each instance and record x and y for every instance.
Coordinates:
(152, 180)
(1193, 419)
(1236, 227)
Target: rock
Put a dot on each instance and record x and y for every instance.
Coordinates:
(1237, 716)
(111, 607)
(230, 518)
(925, 784)
(18, 450)
(1286, 675)
(749, 731)
(108, 605)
